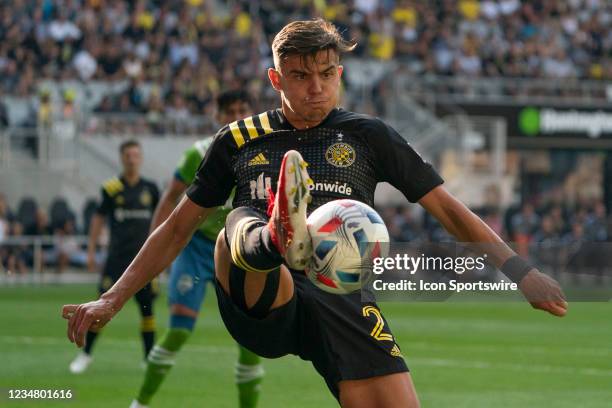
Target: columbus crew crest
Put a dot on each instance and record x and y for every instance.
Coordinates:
(340, 155)
(145, 198)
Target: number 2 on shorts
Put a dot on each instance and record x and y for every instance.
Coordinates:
(380, 324)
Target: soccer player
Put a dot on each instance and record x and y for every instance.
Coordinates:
(128, 203)
(266, 301)
(194, 268)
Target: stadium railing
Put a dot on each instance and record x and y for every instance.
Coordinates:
(39, 251)
(52, 146)
(146, 124)
(505, 89)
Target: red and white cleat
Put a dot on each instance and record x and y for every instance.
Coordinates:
(287, 212)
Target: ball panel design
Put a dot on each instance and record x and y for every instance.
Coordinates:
(346, 235)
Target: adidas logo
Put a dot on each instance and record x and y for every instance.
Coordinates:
(258, 160)
(395, 351)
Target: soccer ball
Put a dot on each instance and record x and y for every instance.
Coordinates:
(346, 237)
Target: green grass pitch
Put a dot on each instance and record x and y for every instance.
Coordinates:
(460, 354)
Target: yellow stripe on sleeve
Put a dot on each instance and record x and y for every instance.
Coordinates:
(265, 123)
(248, 123)
(238, 138)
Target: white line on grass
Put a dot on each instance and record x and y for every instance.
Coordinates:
(53, 341)
(522, 349)
(436, 362)
(533, 368)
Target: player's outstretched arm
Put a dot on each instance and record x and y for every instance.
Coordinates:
(168, 201)
(540, 290)
(160, 249)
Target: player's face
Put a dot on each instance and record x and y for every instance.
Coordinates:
(131, 159)
(233, 112)
(309, 87)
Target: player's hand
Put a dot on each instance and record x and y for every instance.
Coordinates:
(87, 316)
(91, 262)
(544, 293)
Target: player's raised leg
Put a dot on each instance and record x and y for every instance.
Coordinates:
(253, 248)
(287, 225)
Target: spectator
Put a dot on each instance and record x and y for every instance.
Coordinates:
(596, 224)
(61, 29)
(411, 230)
(111, 59)
(4, 118)
(11, 255)
(84, 61)
(546, 233)
(558, 220)
(525, 223)
(468, 62)
(5, 219)
(67, 249)
(40, 227)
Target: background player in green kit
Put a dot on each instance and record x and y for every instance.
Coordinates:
(194, 268)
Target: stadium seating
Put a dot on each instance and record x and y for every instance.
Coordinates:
(60, 212)
(26, 212)
(88, 211)
(176, 61)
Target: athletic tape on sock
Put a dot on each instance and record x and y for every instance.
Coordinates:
(245, 373)
(161, 356)
(147, 324)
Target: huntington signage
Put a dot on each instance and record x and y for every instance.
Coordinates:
(549, 121)
(545, 122)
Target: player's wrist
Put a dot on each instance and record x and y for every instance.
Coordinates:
(516, 268)
(113, 301)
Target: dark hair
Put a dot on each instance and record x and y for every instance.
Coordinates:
(127, 144)
(225, 99)
(306, 38)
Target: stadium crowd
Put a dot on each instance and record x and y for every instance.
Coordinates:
(549, 223)
(552, 222)
(550, 233)
(187, 50)
(57, 228)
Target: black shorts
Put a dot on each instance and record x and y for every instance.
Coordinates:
(114, 268)
(344, 338)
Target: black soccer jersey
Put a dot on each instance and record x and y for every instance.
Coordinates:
(348, 154)
(129, 210)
